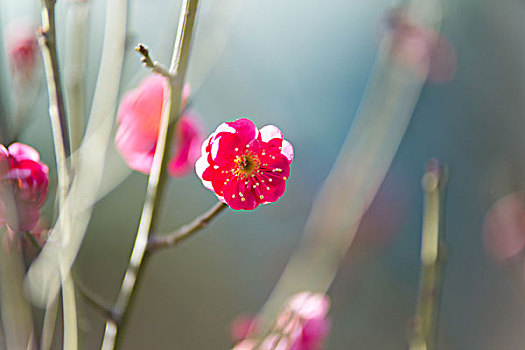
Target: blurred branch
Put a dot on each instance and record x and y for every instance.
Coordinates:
(370, 146)
(158, 174)
(91, 298)
(17, 320)
(94, 300)
(48, 324)
(74, 68)
(425, 321)
(51, 268)
(46, 272)
(186, 231)
(69, 312)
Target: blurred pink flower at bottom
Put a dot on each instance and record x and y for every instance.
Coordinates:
(302, 325)
(242, 326)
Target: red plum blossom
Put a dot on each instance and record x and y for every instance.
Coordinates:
(245, 166)
(139, 117)
(24, 184)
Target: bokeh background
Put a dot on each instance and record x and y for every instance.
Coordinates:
(304, 65)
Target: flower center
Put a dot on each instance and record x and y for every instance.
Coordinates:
(246, 164)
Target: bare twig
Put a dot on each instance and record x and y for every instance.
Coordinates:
(425, 321)
(155, 66)
(62, 146)
(158, 174)
(57, 111)
(186, 231)
(94, 300)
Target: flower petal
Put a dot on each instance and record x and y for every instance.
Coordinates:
(239, 196)
(225, 147)
(287, 150)
(244, 129)
(270, 132)
(20, 151)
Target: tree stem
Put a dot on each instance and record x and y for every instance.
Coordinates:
(57, 111)
(174, 238)
(425, 321)
(62, 146)
(157, 177)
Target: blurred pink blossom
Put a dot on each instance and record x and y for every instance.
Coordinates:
(243, 166)
(302, 325)
(24, 184)
(242, 326)
(504, 227)
(139, 116)
(21, 47)
(423, 50)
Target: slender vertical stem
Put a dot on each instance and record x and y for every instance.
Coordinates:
(15, 311)
(62, 146)
(57, 110)
(425, 321)
(158, 174)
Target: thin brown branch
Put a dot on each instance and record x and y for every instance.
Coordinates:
(157, 177)
(174, 238)
(57, 111)
(59, 126)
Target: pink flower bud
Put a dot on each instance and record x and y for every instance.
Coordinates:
(139, 116)
(24, 183)
(243, 166)
(425, 52)
(21, 48)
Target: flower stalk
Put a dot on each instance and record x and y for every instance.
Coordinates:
(158, 175)
(425, 321)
